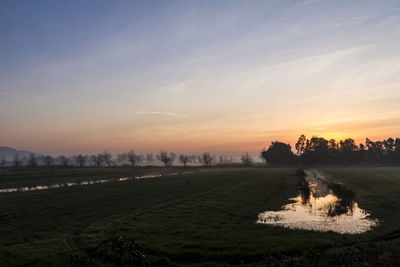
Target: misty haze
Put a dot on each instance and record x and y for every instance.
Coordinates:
(200, 133)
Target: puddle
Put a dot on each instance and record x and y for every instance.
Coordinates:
(88, 182)
(321, 205)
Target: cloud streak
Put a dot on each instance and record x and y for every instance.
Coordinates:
(162, 113)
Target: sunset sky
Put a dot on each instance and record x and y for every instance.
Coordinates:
(195, 76)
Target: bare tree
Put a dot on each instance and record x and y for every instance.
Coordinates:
(163, 157)
(17, 161)
(81, 160)
(221, 160)
(98, 159)
(32, 161)
(64, 160)
(132, 157)
(207, 159)
(49, 161)
(3, 161)
(247, 160)
(184, 159)
(107, 158)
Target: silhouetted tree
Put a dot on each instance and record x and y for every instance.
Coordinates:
(17, 161)
(348, 150)
(184, 159)
(98, 159)
(361, 153)
(375, 151)
(333, 150)
(49, 161)
(221, 160)
(301, 144)
(163, 157)
(388, 153)
(64, 160)
(132, 157)
(207, 159)
(262, 158)
(107, 158)
(396, 155)
(278, 154)
(3, 161)
(317, 150)
(246, 159)
(81, 160)
(32, 161)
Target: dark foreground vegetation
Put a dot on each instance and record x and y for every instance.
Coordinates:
(203, 218)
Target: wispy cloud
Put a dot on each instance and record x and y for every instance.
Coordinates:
(163, 113)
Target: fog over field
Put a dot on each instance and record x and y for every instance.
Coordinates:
(199, 133)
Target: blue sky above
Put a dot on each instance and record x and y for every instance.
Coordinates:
(224, 76)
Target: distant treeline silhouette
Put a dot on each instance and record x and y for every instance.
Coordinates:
(318, 150)
(106, 159)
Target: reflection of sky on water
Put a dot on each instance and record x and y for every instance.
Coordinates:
(316, 212)
(89, 182)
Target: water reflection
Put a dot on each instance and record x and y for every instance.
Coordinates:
(322, 205)
(88, 182)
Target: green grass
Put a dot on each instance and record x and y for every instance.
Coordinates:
(201, 218)
(21, 177)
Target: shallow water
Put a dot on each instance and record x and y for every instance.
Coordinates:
(316, 212)
(88, 182)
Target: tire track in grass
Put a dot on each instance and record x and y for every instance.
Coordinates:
(118, 221)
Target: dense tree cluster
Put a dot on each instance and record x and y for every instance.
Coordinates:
(318, 150)
(278, 154)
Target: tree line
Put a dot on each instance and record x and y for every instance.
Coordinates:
(318, 150)
(106, 159)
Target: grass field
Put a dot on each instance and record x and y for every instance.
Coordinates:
(204, 218)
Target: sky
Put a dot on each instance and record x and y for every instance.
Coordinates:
(193, 76)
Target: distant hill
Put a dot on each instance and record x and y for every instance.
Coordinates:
(9, 152)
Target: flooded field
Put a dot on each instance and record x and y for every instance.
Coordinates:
(87, 182)
(321, 205)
